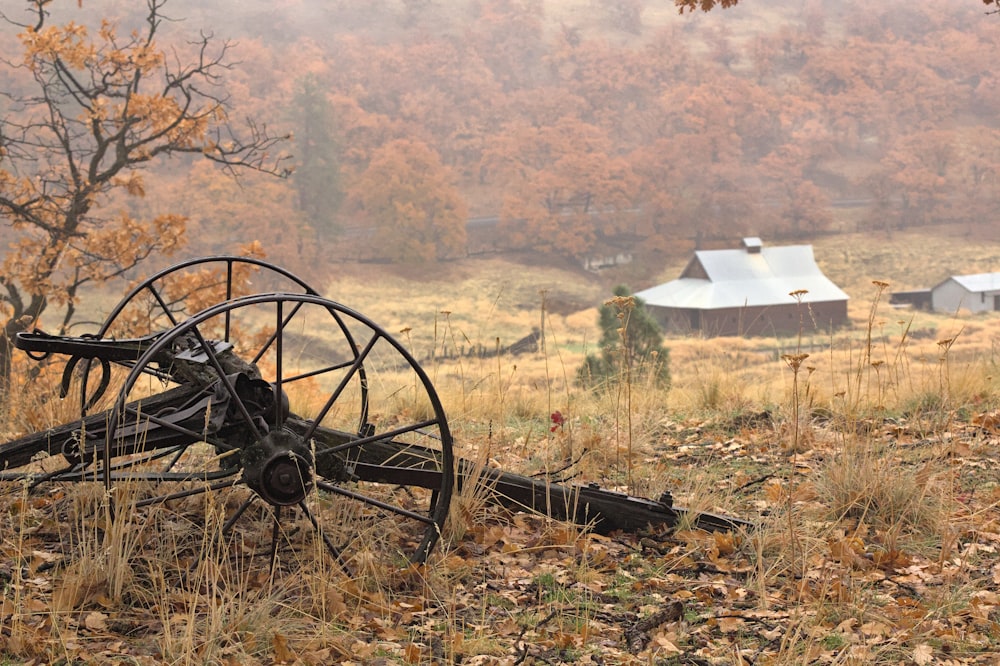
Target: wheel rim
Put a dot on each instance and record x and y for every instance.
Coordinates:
(291, 423)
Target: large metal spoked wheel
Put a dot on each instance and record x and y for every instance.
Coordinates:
(165, 299)
(278, 412)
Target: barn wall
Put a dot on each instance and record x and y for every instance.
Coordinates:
(949, 296)
(673, 320)
(768, 320)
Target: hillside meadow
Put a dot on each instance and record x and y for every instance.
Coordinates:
(870, 466)
(486, 304)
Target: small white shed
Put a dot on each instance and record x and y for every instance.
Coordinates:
(975, 293)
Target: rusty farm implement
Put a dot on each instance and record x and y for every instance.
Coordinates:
(197, 383)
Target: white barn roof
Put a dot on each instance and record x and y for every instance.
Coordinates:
(754, 275)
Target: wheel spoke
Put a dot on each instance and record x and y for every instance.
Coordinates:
(319, 371)
(180, 494)
(275, 531)
(279, 332)
(229, 294)
(377, 437)
(236, 514)
(176, 452)
(177, 456)
(271, 338)
(352, 371)
(213, 359)
(385, 506)
(334, 551)
(163, 304)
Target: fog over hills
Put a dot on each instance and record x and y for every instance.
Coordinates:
(589, 127)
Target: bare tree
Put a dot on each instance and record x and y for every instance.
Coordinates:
(92, 112)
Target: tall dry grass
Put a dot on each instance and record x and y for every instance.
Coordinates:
(846, 491)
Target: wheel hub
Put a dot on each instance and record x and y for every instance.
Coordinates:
(279, 468)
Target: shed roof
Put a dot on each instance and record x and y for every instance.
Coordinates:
(977, 282)
(738, 278)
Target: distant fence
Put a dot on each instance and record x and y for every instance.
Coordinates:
(529, 344)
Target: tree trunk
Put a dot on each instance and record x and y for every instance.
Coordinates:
(6, 352)
(22, 317)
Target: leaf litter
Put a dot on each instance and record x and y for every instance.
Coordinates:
(823, 580)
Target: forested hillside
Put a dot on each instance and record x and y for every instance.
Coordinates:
(575, 126)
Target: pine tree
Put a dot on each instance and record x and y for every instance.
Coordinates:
(631, 345)
(317, 177)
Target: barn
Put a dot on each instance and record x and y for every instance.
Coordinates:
(975, 293)
(748, 291)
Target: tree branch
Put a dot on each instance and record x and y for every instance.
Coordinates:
(103, 108)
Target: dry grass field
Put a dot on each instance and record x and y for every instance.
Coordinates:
(869, 458)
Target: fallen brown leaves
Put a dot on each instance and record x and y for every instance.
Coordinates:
(808, 587)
